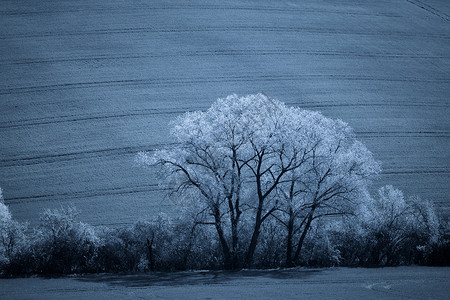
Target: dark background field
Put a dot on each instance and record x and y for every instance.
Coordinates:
(85, 85)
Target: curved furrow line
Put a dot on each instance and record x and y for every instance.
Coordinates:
(279, 9)
(253, 52)
(30, 61)
(108, 152)
(223, 29)
(202, 7)
(430, 9)
(86, 194)
(322, 105)
(147, 112)
(37, 13)
(65, 86)
(189, 81)
(120, 224)
(70, 156)
(415, 172)
(155, 187)
(87, 117)
(403, 134)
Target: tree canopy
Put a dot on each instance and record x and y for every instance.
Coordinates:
(254, 157)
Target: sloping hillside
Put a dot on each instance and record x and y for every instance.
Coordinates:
(85, 85)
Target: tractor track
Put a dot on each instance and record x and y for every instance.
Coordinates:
(170, 82)
(224, 29)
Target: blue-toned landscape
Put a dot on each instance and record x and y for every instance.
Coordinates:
(87, 85)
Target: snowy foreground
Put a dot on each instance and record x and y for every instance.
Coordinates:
(339, 283)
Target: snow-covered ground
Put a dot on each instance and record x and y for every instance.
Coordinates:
(340, 283)
(85, 85)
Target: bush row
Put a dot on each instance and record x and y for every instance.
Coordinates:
(63, 245)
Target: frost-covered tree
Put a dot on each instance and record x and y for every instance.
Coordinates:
(390, 229)
(239, 159)
(5, 215)
(12, 236)
(396, 224)
(62, 244)
(332, 181)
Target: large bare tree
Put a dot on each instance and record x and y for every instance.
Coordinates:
(243, 156)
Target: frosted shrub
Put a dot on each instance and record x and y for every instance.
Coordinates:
(271, 247)
(390, 230)
(152, 243)
(63, 244)
(183, 244)
(5, 214)
(13, 241)
(439, 252)
(158, 245)
(320, 251)
(115, 251)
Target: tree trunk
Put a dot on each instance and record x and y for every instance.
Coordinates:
(235, 211)
(289, 262)
(228, 264)
(253, 243)
(234, 233)
(303, 236)
(258, 221)
(150, 258)
(256, 230)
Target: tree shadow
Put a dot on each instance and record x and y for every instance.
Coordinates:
(193, 277)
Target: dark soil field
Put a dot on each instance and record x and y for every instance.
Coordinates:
(340, 283)
(85, 85)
